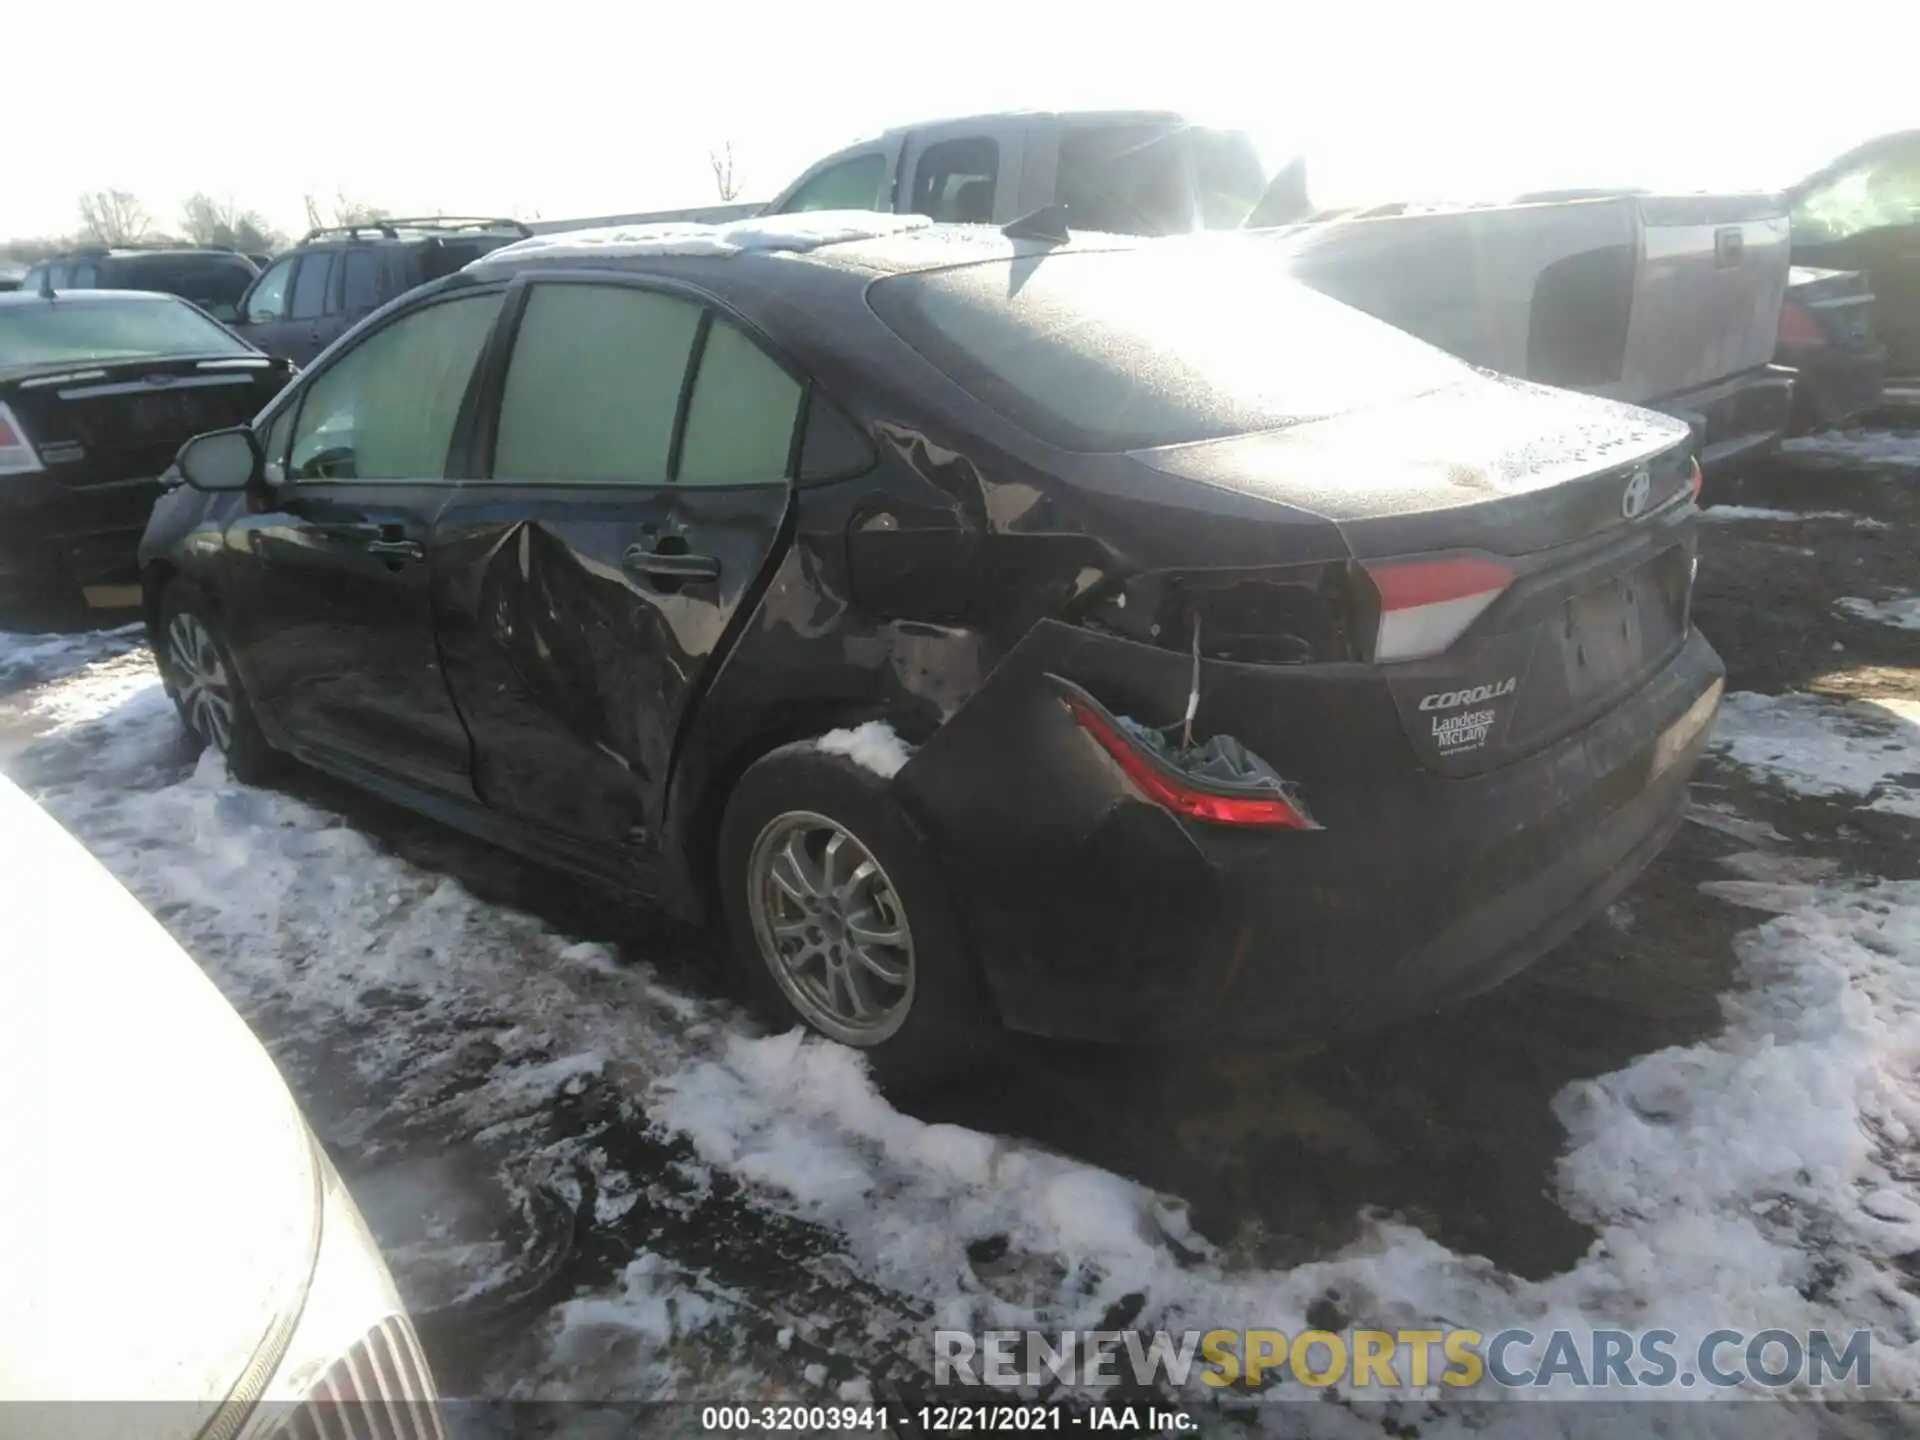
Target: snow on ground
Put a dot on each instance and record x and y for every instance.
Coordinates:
(1758, 1179)
(1897, 447)
(1761, 512)
(1816, 746)
(1902, 614)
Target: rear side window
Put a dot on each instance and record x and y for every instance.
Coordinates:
(86, 276)
(360, 282)
(1125, 179)
(310, 286)
(268, 302)
(741, 417)
(954, 181)
(386, 409)
(593, 387)
(851, 185)
(1126, 349)
(205, 280)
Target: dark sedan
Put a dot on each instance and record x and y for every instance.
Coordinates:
(1092, 636)
(98, 390)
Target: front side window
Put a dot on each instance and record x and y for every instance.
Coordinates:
(1125, 179)
(386, 409)
(268, 302)
(1881, 193)
(741, 417)
(851, 185)
(954, 181)
(594, 384)
(310, 286)
(110, 329)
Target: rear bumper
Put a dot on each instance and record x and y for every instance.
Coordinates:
(53, 534)
(1737, 419)
(1834, 386)
(1099, 916)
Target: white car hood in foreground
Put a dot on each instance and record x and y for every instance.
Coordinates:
(158, 1196)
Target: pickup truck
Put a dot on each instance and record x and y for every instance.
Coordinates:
(1667, 301)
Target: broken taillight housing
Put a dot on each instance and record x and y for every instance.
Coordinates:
(1798, 327)
(1257, 615)
(16, 451)
(1425, 603)
(1161, 784)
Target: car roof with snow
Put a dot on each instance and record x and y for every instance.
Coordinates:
(868, 243)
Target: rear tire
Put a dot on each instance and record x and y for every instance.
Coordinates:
(198, 671)
(838, 919)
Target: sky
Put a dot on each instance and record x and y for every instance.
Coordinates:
(586, 108)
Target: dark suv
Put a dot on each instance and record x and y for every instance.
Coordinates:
(312, 295)
(211, 276)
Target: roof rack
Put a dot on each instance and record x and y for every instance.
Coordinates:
(389, 227)
(95, 250)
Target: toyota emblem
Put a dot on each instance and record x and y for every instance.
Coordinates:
(1639, 490)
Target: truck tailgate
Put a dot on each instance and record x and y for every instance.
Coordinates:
(1706, 305)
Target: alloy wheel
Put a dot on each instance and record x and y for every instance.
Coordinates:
(831, 928)
(201, 683)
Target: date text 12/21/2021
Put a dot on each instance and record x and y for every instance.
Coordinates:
(979, 1419)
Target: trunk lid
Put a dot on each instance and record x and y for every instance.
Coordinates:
(105, 423)
(1578, 507)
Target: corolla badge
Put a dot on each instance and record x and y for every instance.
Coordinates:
(1633, 500)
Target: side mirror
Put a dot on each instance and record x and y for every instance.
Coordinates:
(222, 460)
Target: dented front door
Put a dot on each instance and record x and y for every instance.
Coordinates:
(634, 494)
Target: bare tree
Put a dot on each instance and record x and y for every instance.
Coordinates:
(344, 210)
(206, 221)
(113, 217)
(724, 179)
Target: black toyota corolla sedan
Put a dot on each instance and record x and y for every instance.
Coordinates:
(1101, 638)
(98, 389)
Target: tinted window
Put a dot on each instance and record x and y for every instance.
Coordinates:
(594, 385)
(740, 421)
(110, 330)
(1228, 176)
(86, 276)
(851, 185)
(1125, 179)
(310, 286)
(268, 301)
(1190, 340)
(360, 282)
(954, 181)
(386, 409)
(205, 280)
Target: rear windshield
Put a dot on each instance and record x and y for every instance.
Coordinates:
(1168, 343)
(127, 329)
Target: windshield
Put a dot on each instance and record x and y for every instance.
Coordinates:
(59, 331)
(1174, 342)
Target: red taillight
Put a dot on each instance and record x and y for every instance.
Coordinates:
(1427, 604)
(1153, 783)
(1798, 327)
(1697, 480)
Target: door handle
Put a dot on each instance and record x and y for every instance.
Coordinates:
(397, 549)
(670, 565)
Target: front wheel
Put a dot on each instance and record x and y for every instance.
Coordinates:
(838, 919)
(197, 669)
